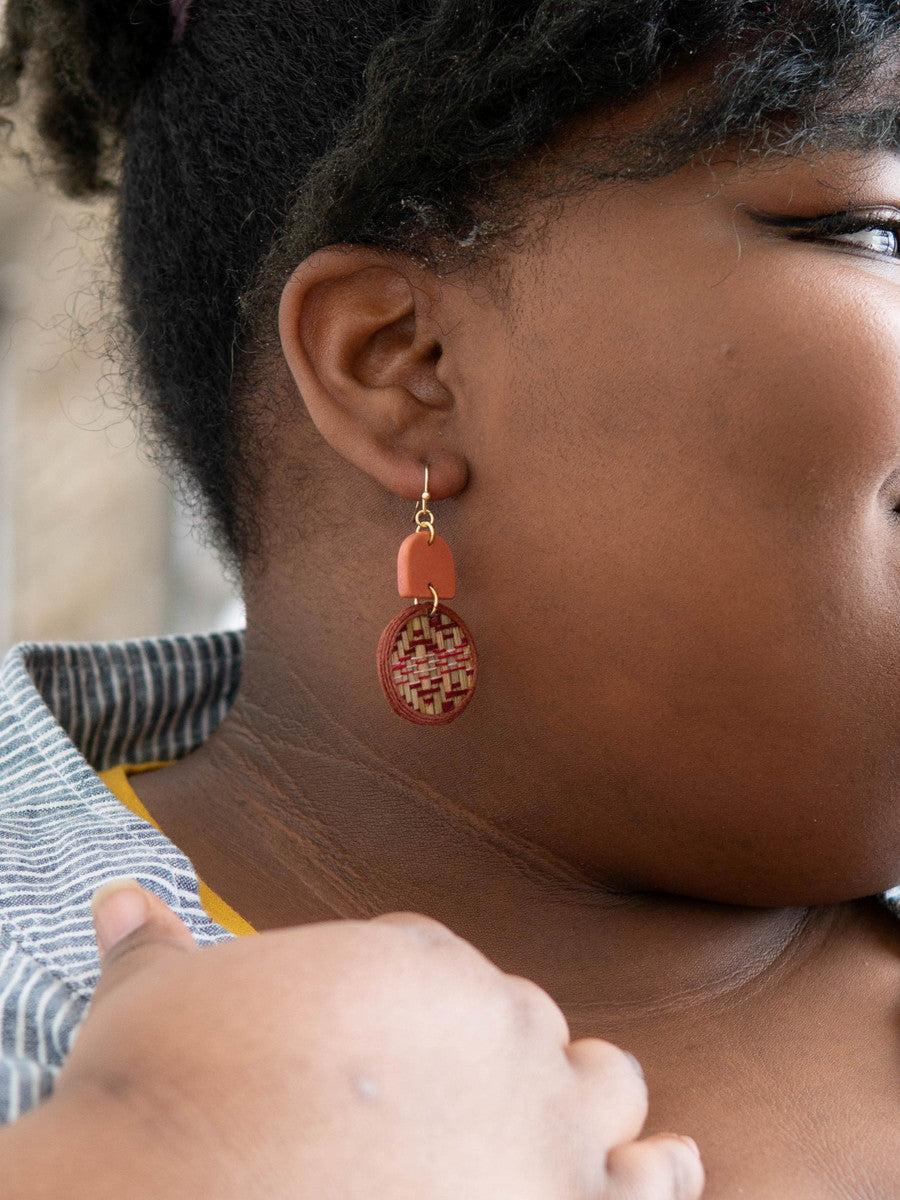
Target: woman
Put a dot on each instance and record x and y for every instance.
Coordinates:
(625, 279)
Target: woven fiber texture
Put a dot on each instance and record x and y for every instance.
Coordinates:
(427, 665)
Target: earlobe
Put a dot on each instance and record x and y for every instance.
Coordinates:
(361, 346)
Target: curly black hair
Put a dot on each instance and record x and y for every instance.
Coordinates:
(275, 127)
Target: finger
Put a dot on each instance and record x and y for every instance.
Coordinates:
(540, 1009)
(133, 927)
(425, 929)
(663, 1167)
(614, 1094)
(433, 934)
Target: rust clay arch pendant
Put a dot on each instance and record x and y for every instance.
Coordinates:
(427, 665)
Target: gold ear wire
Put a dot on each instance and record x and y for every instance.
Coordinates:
(424, 515)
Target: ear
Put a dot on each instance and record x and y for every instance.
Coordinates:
(362, 349)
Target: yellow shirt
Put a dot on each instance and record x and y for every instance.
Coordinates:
(116, 779)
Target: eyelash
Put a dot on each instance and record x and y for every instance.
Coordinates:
(817, 228)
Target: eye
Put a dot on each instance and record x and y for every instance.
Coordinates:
(877, 232)
(881, 239)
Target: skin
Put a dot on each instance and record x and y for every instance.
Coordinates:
(331, 1076)
(666, 457)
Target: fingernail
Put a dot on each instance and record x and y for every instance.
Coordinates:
(681, 1137)
(119, 907)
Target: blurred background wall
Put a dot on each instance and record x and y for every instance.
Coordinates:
(92, 543)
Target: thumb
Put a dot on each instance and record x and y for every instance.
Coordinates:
(133, 927)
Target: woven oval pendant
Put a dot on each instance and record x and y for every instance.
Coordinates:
(427, 664)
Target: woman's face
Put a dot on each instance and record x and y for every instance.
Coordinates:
(679, 552)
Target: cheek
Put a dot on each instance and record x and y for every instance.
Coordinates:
(707, 586)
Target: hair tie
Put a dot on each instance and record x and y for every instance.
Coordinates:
(179, 18)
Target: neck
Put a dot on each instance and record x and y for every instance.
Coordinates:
(310, 817)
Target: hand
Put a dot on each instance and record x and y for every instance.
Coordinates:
(382, 1059)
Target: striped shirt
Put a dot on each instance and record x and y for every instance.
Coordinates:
(67, 712)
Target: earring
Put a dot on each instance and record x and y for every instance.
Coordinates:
(427, 664)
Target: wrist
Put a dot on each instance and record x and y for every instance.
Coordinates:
(90, 1147)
